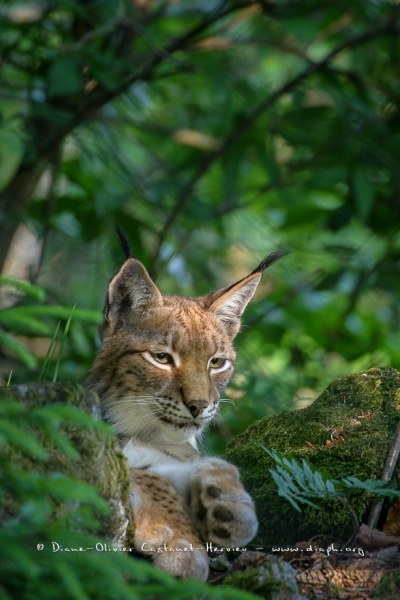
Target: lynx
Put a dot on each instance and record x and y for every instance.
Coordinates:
(163, 364)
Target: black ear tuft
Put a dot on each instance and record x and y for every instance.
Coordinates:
(269, 260)
(124, 242)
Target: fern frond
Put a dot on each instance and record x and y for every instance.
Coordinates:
(299, 483)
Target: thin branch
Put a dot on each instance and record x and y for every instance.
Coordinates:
(386, 475)
(387, 28)
(147, 72)
(159, 55)
(16, 196)
(109, 27)
(363, 276)
(50, 205)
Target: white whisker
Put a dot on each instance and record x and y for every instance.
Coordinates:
(131, 419)
(227, 401)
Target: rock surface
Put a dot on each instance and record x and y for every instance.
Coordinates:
(347, 431)
(100, 463)
(273, 580)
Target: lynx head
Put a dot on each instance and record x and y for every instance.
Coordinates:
(165, 359)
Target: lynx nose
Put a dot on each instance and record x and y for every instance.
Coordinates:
(196, 407)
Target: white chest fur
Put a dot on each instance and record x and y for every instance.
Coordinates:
(175, 462)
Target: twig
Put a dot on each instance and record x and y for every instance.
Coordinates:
(386, 475)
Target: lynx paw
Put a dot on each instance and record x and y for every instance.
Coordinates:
(222, 512)
(180, 560)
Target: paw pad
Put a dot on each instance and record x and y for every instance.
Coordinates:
(222, 533)
(213, 491)
(223, 514)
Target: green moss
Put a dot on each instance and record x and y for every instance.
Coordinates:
(98, 462)
(388, 587)
(274, 580)
(346, 431)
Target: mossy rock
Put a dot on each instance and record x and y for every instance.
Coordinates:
(273, 580)
(388, 587)
(99, 463)
(347, 431)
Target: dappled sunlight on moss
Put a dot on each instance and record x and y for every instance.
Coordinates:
(346, 431)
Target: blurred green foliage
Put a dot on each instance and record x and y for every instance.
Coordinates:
(47, 517)
(28, 313)
(213, 133)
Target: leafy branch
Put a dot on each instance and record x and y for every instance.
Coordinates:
(70, 112)
(389, 26)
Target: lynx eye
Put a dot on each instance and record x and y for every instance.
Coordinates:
(218, 363)
(163, 358)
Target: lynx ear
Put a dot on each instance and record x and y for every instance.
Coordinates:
(131, 290)
(228, 304)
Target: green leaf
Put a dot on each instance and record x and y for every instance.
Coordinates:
(19, 557)
(60, 440)
(373, 486)
(12, 409)
(298, 483)
(17, 320)
(63, 338)
(21, 438)
(9, 378)
(320, 483)
(60, 312)
(29, 289)
(49, 354)
(70, 581)
(36, 510)
(17, 349)
(64, 76)
(364, 193)
(66, 488)
(63, 413)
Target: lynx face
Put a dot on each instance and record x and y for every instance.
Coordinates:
(167, 368)
(165, 359)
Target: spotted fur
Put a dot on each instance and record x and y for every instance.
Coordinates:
(163, 364)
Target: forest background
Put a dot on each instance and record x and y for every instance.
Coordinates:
(213, 133)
